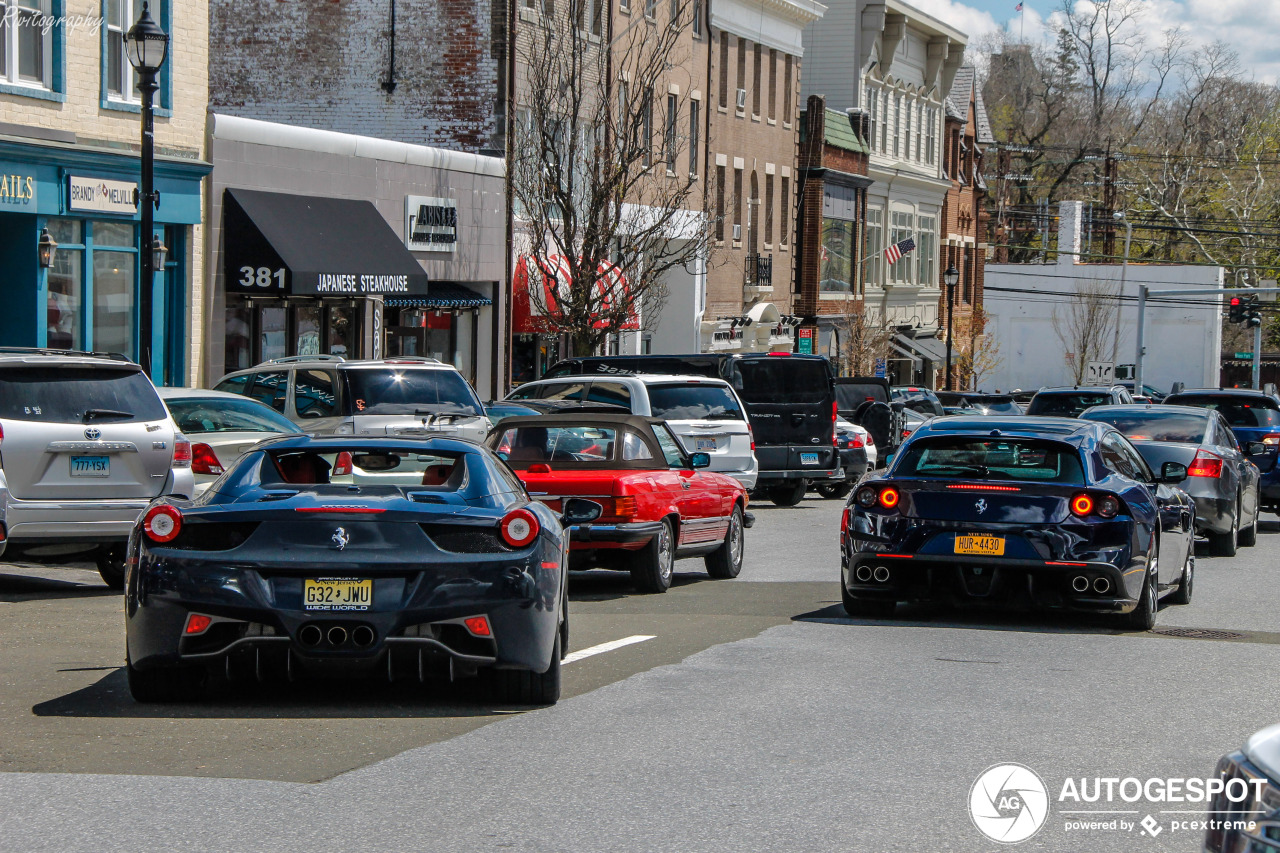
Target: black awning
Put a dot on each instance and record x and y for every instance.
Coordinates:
(441, 294)
(276, 244)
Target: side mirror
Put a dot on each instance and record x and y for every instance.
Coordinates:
(1172, 472)
(580, 511)
(1255, 448)
(699, 460)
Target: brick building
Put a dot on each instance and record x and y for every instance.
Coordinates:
(69, 163)
(830, 231)
(753, 75)
(964, 216)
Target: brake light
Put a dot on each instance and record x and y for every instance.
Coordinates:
(856, 441)
(1082, 505)
(342, 465)
(1269, 440)
(204, 460)
(779, 353)
(871, 442)
(197, 623)
(181, 452)
(984, 487)
(844, 521)
(162, 523)
(519, 527)
(478, 626)
(889, 498)
(1205, 465)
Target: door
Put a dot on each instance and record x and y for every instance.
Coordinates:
(317, 400)
(1174, 517)
(698, 500)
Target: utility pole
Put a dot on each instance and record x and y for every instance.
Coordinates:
(1110, 179)
(1004, 163)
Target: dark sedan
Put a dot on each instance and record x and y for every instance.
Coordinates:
(344, 555)
(1252, 416)
(1221, 479)
(1049, 512)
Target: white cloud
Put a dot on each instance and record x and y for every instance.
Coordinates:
(973, 22)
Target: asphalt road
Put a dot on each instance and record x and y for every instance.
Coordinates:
(757, 717)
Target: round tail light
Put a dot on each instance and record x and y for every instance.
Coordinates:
(1082, 505)
(162, 523)
(519, 528)
(1108, 507)
(866, 497)
(889, 498)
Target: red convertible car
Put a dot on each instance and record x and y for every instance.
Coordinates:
(659, 506)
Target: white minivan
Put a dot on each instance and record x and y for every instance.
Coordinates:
(704, 413)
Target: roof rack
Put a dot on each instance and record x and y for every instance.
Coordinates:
(114, 356)
(416, 359)
(293, 359)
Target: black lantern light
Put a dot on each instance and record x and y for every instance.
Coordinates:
(47, 247)
(158, 252)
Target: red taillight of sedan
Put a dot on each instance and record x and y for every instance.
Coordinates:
(1205, 465)
(204, 460)
(519, 528)
(162, 523)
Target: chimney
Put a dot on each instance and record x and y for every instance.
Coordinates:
(1070, 219)
(861, 121)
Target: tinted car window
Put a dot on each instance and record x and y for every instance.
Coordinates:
(270, 388)
(610, 392)
(694, 402)
(235, 384)
(392, 391)
(1251, 412)
(525, 392)
(567, 391)
(1065, 405)
(313, 394)
(67, 394)
(1115, 458)
(1156, 426)
(529, 445)
(783, 380)
(670, 447)
(218, 414)
(970, 457)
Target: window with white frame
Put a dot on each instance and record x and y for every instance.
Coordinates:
(927, 250)
(872, 103)
(26, 44)
(883, 97)
(875, 245)
(920, 113)
(906, 130)
(897, 125)
(901, 272)
(931, 137)
(671, 139)
(121, 79)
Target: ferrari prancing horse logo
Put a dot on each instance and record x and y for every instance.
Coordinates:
(340, 538)
(980, 506)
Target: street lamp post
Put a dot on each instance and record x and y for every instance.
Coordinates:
(952, 278)
(147, 46)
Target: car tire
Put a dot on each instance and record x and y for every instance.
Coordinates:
(1143, 617)
(162, 685)
(1186, 584)
(725, 562)
(1248, 536)
(522, 687)
(653, 566)
(866, 608)
(835, 491)
(788, 495)
(111, 567)
(1224, 544)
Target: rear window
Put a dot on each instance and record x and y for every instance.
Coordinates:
(976, 458)
(78, 395)
(1156, 426)
(783, 380)
(1065, 405)
(396, 466)
(998, 405)
(392, 391)
(199, 415)
(694, 402)
(1251, 412)
(850, 396)
(585, 445)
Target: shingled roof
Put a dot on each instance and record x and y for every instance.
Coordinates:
(838, 132)
(957, 105)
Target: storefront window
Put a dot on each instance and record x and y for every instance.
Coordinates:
(273, 338)
(65, 308)
(307, 324)
(341, 331)
(114, 275)
(239, 351)
(837, 256)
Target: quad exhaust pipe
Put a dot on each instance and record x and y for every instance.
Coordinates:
(363, 636)
(336, 636)
(310, 636)
(1080, 583)
(881, 574)
(1101, 586)
(865, 574)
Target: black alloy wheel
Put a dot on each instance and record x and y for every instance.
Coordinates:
(111, 566)
(1143, 617)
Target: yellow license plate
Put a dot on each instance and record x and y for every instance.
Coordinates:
(986, 546)
(336, 594)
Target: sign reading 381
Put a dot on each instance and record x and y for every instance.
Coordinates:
(263, 277)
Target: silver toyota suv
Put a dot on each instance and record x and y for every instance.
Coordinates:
(85, 445)
(402, 396)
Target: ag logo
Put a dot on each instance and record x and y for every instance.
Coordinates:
(1008, 803)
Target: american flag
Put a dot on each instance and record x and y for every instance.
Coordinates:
(1018, 8)
(897, 250)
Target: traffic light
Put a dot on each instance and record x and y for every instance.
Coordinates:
(1253, 317)
(1235, 314)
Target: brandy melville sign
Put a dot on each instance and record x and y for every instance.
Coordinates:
(430, 224)
(102, 196)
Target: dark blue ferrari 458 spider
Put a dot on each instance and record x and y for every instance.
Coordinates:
(348, 555)
(1043, 512)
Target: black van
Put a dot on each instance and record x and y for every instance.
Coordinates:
(790, 402)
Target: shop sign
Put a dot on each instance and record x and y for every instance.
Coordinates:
(102, 196)
(804, 341)
(430, 224)
(17, 189)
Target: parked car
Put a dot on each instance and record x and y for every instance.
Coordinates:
(1152, 393)
(1069, 402)
(496, 410)
(1221, 479)
(868, 402)
(918, 399)
(660, 504)
(405, 396)
(857, 456)
(87, 446)
(1062, 514)
(445, 567)
(704, 413)
(978, 403)
(1252, 801)
(220, 428)
(790, 401)
(1252, 416)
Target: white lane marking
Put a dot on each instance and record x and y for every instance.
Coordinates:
(606, 647)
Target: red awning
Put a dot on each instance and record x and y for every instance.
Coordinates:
(527, 318)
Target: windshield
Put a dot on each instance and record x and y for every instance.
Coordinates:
(1239, 412)
(77, 394)
(1065, 405)
(694, 402)
(1156, 426)
(998, 405)
(973, 458)
(783, 380)
(197, 415)
(410, 391)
